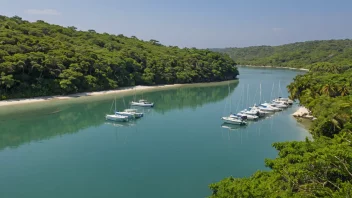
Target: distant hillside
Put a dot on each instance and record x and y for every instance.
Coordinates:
(299, 55)
(39, 59)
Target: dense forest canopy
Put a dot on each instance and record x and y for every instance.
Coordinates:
(298, 55)
(319, 168)
(37, 59)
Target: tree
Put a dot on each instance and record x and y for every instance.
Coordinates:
(46, 59)
(7, 80)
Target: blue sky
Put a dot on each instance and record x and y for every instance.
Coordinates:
(197, 23)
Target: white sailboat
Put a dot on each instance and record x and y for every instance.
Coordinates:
(268, 107)
(142, 103)
(234, 120)
(134, 112)
(286, 100)
(248, 116)
(243, 117)
(279, 104)
(123, 113)
(262, 113)
(251, 112)
(116, 117)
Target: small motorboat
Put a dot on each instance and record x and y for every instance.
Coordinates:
(118, 118)
(249, 117)
(234, 120)
(143, 103)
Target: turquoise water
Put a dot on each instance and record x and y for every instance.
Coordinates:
(67, 149)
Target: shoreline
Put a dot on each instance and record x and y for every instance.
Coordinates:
(122, 90)
(275, 67)
(83, 94)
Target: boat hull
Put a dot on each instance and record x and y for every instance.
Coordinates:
(249, 117)
(116, 118)
(142, 104)
(129, 115)
(233, 121)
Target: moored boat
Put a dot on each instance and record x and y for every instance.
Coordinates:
(279, 104)
(233, 120)
(258, 111)
(249, 117)
(116, 117)
(123, 113)
(287, 100)
(119, 118)
(243, 117)
(134, 112)
(142, 103)
(269, 107)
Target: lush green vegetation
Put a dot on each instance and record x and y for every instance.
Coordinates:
(298, 55)
(319, 168)
(38, 59)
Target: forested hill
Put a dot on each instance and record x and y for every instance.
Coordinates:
(298, 55)
(38, 59)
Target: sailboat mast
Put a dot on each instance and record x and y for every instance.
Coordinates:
(228, 86)
(260, 93)
(272, 91)
(115, 104)
(247, 103)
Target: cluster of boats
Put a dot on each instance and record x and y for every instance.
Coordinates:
(258, 111)
(129, 114)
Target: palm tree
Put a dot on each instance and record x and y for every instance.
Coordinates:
(328, 89)
(343, 90)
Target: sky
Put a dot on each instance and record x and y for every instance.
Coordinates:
(197, 23)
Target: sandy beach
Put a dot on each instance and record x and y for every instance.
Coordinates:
(122, 90)
(84, 94)
(276, 67)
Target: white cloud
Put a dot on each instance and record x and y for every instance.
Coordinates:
(43, 12)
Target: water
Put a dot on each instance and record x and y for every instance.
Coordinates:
(67, 149)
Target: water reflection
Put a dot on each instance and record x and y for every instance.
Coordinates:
(120, 124)
(17, 129)
(232, 127)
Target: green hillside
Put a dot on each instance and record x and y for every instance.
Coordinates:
(298, 55)
(37, 59)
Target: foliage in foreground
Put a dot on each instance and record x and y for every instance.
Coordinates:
(298, 55)
(319, 168)
(303, 169)
(39, 59)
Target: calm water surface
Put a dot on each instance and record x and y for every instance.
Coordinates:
(67, 149)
